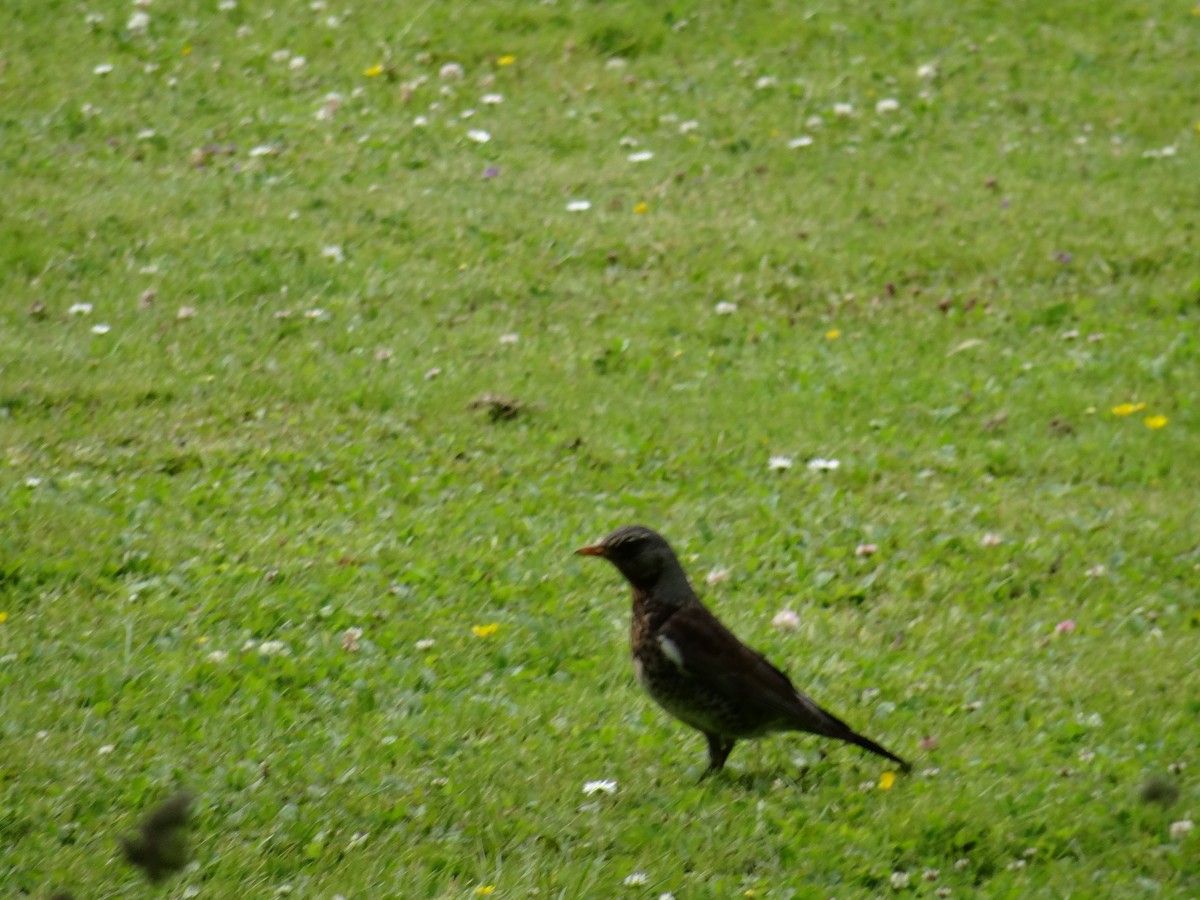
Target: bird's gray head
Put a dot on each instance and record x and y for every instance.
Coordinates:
(643, 556)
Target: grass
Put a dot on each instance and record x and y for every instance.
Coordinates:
(916, 293)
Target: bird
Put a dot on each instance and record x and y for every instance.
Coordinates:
(160, 847)
(697, 669)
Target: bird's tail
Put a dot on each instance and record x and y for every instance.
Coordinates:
(831, 726)
(853, 737)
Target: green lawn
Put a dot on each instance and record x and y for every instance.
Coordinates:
(260, 265)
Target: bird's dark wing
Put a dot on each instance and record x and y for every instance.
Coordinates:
(713, 655)
(709, 652)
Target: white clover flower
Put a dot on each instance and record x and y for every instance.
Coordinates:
(103, 69)
(479, 136)
(725, 308)
(899, 881)
(842, 110)
(887, 105)
(101, 328)
(1159, 154)
(786, 620)
(927, 70)
(451, 71)
(803, 140)
(579, 206)
(641, 156)
(716, 576)
(817, 464)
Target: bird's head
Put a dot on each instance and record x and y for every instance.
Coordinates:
(643, 556)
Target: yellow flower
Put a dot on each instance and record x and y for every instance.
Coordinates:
(203, 639)
(832, 334)
(641, 208)
(1128, 409)
(1156, 422)
(484, 889)
(3, 617)
(187, 51)
(485, 631)
(374, 71)
(886, 780)
(506, 60)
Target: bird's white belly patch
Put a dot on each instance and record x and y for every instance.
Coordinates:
(670, 650)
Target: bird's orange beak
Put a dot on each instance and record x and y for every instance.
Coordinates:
(591, 550)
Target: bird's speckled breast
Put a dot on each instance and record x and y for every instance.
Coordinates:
(675, 690)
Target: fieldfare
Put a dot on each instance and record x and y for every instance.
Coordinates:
(695, 668)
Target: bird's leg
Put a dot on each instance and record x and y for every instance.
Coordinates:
(718, 752)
